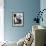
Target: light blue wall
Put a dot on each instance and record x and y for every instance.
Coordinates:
(43, 6)
(29, 7)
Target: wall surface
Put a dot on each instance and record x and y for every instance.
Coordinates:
(1, 20)
(29, 7)
(43, 6)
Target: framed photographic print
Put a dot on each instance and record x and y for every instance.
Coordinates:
(18, 18)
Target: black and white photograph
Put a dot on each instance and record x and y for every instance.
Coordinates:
(18, 18)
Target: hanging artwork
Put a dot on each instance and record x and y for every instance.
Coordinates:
(18, 18)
